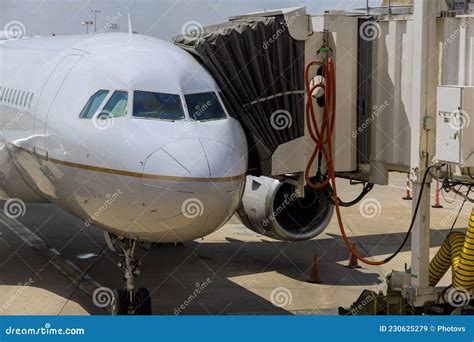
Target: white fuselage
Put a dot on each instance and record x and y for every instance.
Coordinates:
(145, 178)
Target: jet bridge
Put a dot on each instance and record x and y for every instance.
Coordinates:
(259, 61)
(404, 79)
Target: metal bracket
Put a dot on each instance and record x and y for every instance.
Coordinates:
(428, 123)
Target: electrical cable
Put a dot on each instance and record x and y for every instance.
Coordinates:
(367, 188)
(322, 137)
(460, 209)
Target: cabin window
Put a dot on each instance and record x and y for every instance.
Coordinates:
(116, 106)
(20, 103)
(25, 100)
(17, 96)
(10, 96)
(204, 106)
(160, 106)
(91, 106)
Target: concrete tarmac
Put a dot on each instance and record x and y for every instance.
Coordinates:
(51, 263)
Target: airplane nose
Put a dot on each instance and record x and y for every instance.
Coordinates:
(192, 185)
(181, 159)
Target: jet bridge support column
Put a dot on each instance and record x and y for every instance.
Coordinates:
(422, 143)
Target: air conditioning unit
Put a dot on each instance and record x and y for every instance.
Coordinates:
(454, 129)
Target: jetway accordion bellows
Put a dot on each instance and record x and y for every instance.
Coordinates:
(259, 67)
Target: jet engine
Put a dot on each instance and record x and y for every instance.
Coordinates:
(274, 209)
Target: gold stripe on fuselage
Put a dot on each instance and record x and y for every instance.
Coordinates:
(133, 174)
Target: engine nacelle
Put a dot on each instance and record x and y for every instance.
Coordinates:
(274, 209)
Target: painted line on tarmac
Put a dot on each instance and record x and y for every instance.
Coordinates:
(66, 267)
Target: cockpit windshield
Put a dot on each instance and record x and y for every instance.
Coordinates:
(204, 106)
(159, 106)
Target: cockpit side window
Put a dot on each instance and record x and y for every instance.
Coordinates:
(204, 106)
(93, 104)
(161, 106)
(116, 106)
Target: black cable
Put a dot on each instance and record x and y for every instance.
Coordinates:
(443, 191)
(415, 213)
(460, 209)
(465, 196)
(367, 188)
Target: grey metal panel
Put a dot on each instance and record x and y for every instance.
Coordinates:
(364, 97)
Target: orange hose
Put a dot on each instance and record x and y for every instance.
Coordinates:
(323, 136)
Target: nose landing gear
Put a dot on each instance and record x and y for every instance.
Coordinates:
(129, 301)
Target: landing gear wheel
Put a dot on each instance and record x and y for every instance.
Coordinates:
(119, 305)
(142, 302)
(129, 301)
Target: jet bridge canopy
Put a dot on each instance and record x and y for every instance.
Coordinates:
(260, 68)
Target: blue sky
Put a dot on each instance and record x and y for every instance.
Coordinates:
(159, 18)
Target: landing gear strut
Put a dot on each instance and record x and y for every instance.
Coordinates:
(129, 301)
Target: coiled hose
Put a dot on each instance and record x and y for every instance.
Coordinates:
(457, 251)
(322, 136)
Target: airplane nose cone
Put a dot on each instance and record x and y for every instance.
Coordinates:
(185, 158)
(191, 187)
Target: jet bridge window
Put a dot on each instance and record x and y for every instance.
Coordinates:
(116, 106)
(92, 105)
(204, 106)
(159, 106)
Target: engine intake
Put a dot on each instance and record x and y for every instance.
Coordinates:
(274, 209)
